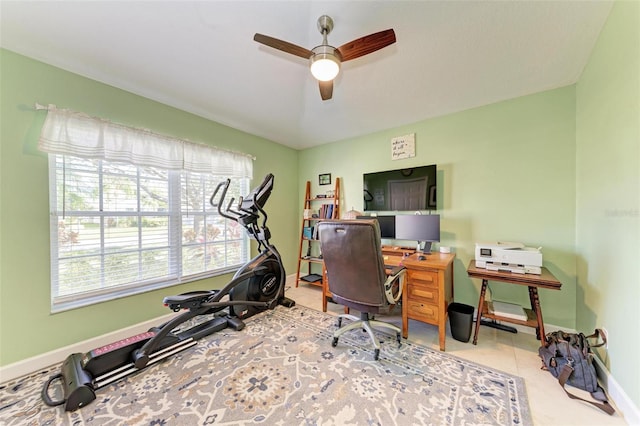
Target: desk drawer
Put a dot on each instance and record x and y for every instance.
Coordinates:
(424, 278)
(422, 293)
(425, 312)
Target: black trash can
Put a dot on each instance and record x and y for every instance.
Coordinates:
(461, 321)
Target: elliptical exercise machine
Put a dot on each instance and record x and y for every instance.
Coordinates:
(256, 286)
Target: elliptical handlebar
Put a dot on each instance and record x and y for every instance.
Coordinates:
(261, 210)
(249, 208)
(225, 185)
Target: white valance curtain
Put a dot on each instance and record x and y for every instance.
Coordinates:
(72, 133)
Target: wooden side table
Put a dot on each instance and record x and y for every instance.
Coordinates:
(533, 282)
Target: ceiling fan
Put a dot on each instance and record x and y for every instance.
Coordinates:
(324, 59)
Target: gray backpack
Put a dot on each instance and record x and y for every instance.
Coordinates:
(568, 357)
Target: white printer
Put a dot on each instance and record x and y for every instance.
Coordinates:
(510, 257)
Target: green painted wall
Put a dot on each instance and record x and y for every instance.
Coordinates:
(26, 326)
(506, 172)
(558, 169)
(608, 193)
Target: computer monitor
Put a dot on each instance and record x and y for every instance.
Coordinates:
(420, 228)
(387, 225)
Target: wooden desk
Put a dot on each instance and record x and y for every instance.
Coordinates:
(428, 291)
(534, 315)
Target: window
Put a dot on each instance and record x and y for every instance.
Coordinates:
(124, 227)
(119, 229)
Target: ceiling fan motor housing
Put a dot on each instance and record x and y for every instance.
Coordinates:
(325, 23)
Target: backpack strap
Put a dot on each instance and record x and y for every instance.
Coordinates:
(597, 334)
(604, 405)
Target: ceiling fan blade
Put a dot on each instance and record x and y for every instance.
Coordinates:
(326, 89)
(285, 46)
(367, 44)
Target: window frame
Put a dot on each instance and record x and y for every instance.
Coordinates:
(176, 244)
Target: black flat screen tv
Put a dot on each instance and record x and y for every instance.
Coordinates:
(409, 189)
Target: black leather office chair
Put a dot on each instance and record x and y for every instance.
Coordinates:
(356, 275)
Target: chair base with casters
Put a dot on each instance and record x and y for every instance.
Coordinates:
(367, 324)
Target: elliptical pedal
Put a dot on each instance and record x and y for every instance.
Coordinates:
(286, 302)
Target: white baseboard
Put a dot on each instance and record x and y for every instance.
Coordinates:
(38, 362)
(623, 403)
(291, 279)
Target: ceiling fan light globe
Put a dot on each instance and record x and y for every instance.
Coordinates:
(325, 69)
(325, 62)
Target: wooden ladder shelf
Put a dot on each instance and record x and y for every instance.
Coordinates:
(315, 210)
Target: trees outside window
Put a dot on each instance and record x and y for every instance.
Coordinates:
(119, 229)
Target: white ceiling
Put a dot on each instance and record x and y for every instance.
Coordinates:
(200, 56)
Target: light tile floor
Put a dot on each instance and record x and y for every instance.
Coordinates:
(512, 353)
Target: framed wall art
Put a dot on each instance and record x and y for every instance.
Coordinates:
(324, 179)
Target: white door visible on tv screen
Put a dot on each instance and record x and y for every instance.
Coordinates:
(408, 194)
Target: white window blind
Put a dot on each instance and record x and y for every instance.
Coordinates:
(122, 227)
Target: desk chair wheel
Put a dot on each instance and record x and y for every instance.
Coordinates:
(334, 343)
(376, 354)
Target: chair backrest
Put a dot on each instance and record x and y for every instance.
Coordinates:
(355, 265)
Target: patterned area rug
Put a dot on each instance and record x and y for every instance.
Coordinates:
(281, 370)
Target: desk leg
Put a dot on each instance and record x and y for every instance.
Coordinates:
(405, 321)
(483, 290)
(535, 306)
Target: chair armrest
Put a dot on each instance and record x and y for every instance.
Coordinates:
(397, 274)
(395, 270)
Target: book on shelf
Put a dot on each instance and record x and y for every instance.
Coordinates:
(326, 211)
(307, 232)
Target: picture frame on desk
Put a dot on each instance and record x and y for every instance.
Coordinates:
(324, 179)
